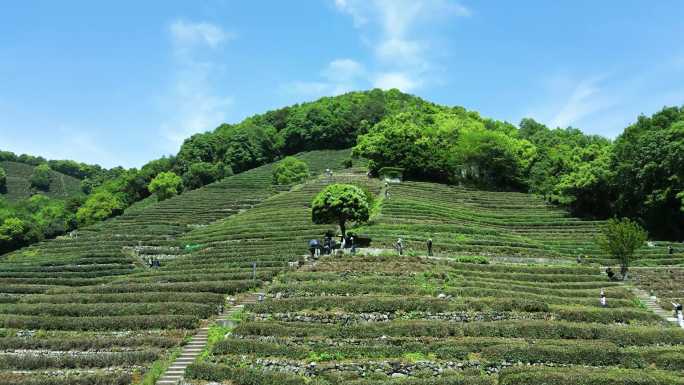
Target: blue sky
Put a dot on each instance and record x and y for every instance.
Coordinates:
(124, 82)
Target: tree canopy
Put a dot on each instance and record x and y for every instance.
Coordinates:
(340, 203)
(290, 170)
(639, 175)
(3, 180)
(165, 185)
(40, 179)
(620, 238)
(101, 205)
(449, 145)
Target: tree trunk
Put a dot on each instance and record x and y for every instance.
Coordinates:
(343, 228)
(623, 271)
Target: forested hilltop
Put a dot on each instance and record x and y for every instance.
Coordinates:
(640, 174)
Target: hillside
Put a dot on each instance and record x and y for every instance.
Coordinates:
(587, 175)
(19, 187)
(84, 290)
(87, 309)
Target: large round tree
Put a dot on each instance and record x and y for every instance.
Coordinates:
(340, 203)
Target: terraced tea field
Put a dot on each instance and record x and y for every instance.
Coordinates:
(383, 319)
(19, 187)
(86, 309)
(506, 225)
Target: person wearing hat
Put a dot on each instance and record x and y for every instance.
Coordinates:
(314, 247)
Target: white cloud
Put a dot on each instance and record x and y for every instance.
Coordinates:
(343, 70)
(185, 33)
(196, 104)
(397, 80)
(338, 77)
(68, 142)
(400, 54)
(349, 7)
(401, 50)
(397, 21)
(585, 99)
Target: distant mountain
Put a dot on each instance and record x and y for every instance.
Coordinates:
(19, 185)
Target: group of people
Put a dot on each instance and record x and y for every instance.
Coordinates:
(330, 245)
(153, 262)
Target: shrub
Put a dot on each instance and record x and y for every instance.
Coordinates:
(40, 178)
(165, 185)
(290, 170)
(476, 259)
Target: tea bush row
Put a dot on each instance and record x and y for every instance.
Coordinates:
(394, 304)
(100, 323)
(620, 335)
(68, 361)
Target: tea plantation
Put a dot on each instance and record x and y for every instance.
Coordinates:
(19, 185)
(88, 309)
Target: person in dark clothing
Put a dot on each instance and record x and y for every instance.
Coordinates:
(313, 245)
(429, 247)
(670, 250)
(327, 247)
(610, 273)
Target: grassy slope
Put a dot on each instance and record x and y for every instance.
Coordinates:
(19, 187)
(499, 224)
(383, 313)
(85, 290)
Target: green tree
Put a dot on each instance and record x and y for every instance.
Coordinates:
(340, 203)
(99, 206)
(3, 180)
(40, 178)
(166, 185)
(290, 170)
(621, 238)
(12, 234)
(203, 173)
(648, 169)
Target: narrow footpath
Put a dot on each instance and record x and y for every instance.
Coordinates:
(174, 373)
(652, 305)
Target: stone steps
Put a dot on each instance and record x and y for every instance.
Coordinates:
(174, 373)
(653, 306)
